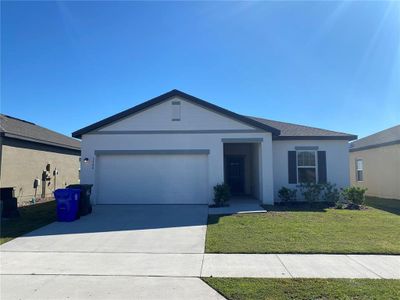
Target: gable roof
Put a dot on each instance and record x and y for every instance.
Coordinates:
(279, 130)
(23, 130)
(166, 96)
(290, 131)
(390, 136)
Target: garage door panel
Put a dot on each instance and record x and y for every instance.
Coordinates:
(152, 179)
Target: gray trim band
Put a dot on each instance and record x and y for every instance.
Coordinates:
(242, 140)
(153, 152)
(175, 131)
(317, 137)
(375, 146)
(306, 148)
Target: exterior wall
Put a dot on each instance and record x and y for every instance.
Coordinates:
(208, 141)
(20, 167)
(337, 161)
(381, 171)
(193, 117)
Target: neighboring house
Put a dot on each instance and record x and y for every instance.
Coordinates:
(175, 148)
(35, 160)
(375, 163)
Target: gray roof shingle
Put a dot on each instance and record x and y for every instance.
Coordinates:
(382, 138)
(24, 130)
(295, 131)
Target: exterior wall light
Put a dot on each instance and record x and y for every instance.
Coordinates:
(86, 160)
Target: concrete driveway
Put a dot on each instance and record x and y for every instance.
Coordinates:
(123, 229)
(117, 252)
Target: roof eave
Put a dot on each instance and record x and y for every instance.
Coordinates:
(29, 139)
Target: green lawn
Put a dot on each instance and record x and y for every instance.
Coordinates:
(257, 288)
(32, 217)
(300, 229)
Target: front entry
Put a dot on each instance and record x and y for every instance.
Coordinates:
(234, 173)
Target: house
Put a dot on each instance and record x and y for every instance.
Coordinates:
(35, 160)
(176, 147)
(375, 163)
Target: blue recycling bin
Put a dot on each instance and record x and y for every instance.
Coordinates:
(67, 204)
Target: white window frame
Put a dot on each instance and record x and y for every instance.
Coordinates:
(362, 169)
(303, 167)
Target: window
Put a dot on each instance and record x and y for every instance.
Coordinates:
(176, 110)
(306, 166)
(359, 170)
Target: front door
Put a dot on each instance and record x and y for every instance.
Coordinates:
(234, 173)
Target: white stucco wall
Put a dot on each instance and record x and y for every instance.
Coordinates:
(153, 129)
(211, 141)
(205, 130)
(337, 161)
(193, 117)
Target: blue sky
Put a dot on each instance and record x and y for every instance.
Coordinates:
(334, 65)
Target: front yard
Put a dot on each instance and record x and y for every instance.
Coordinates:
(32, 217)
(302, 230)
(305, 289)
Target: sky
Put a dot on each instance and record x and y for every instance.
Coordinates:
(332, 65)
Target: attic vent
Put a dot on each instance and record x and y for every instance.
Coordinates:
(176, 110)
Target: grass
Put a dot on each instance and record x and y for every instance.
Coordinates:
(300, 229)
(277, 289)
(32, 217)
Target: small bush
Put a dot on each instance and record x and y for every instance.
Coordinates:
(221, 194)
(330, 193)
(311, 191)
(354, 195)
(287, 195)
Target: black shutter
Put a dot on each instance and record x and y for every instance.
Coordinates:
(292, 167)
(322, 178)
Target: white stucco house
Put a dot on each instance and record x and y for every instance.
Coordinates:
(174, 148)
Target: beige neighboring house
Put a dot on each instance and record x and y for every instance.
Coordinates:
(36, 160)
(375, 163)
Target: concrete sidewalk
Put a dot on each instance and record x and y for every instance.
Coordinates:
(57, 287)
(201, 265)
(301, 266)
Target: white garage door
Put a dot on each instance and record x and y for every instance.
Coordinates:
(152, 179)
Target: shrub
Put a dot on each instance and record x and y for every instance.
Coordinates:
(330, 193)
(310, 191)
(287, 195)
(355, 195)
(221, 194)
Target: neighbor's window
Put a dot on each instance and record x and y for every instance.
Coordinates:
(359, 170)
(306, 166)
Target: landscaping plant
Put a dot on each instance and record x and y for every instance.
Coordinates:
(287, 195)
(354, 195)
(330, 193)
(221, 194)
(311, 191)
